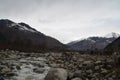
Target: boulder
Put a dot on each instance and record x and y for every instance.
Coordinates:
(77, 73)
(57, 74)
(18, 67)
(88, 64)
(76, 79)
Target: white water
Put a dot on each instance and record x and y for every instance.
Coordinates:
(26, 72)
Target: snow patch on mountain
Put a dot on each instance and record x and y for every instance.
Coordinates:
(20, 27)
(27, 29)
(115, 35)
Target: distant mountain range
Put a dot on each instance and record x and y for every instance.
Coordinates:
(20, 36)
(93, 43)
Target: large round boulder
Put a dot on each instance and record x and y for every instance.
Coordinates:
(57, 74)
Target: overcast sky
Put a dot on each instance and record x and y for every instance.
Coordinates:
(65, 20)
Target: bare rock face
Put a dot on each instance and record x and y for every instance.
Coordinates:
(57, 74)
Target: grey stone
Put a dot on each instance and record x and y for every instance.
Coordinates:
(18, 67)
(77, 73)
(38, 70)
(97, 67)
(98, 62)
(57, 74)
(76, 79)
(104, 71)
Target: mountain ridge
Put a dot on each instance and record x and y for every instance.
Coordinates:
(21, 36)
(92, 43)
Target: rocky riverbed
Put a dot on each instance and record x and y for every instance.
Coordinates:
(86, 66)
(16, 65)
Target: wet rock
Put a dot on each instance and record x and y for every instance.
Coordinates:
(38, 70)
(12, 67)
(76, 79)
(18, 67)
(40, 65)
(57, 74)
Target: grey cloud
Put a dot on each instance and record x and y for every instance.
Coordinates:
(65, 19)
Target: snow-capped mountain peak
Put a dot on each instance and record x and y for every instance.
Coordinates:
(19, 26)
(113, 34)
(22, 27)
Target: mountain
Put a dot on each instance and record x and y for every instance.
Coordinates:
(114, 46)
(93, 43)
(20, 36)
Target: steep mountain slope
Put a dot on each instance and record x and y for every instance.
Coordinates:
(20, 36)
(114, 46)
(93, 43)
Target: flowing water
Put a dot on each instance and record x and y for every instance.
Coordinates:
(27, 68)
